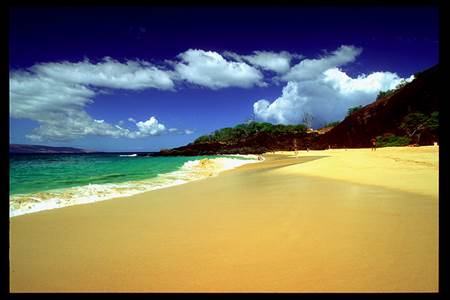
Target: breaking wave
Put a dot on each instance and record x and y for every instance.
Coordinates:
(190, 171)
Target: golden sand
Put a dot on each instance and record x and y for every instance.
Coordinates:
(410, 169)
(327, 221)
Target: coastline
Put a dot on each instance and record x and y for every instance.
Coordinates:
(286, 224)
(196, 168)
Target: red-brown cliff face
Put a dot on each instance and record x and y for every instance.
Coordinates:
(386, 114)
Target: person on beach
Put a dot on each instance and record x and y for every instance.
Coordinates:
(373, 141)
(295, 148)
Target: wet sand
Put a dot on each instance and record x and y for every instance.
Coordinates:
(287, 224)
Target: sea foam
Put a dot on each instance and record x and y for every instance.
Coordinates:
(191, 170)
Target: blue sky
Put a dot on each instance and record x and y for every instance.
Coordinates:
(143, 79)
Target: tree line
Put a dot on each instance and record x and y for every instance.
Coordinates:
(245, 130)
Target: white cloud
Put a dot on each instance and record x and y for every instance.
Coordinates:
(311, 68)
(327, 97)
(31, 95)
(267, 60)
(56, 95)
(109, 73)
(210, 69)
(150, 127)
(73, 124)
(179, 131)
(78, 124)
(59, 108)
(316, 87)
(373, 83)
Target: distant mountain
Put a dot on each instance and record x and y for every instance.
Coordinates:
(21, 148)
(405, 115)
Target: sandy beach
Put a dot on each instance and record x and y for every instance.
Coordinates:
(339, 220)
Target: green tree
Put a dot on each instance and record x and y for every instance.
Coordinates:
(242, 131)
(433, 121)
(415, 123)
(353, 109)
(203, 139)
(383, 94)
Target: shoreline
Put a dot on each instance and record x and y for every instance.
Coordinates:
(192, 170)
(259, 227)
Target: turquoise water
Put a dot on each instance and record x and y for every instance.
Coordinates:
(48, 181)
(36, 173)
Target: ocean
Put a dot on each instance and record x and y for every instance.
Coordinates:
(47, 181)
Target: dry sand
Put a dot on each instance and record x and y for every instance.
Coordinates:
(327, 221)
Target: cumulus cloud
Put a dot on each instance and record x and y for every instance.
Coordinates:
(326, 97)
(188, 131)
(150, 127)
(211, 70)
(267, 60)
(311, 68)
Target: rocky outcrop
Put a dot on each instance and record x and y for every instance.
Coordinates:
(256, 144)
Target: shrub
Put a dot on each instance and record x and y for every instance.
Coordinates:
(391, 140)
(353, 109)
(331, 124)
(383, 94)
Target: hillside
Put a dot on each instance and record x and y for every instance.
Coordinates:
(387, 114)
(22, 148)
(249, 138)
(407, 115)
